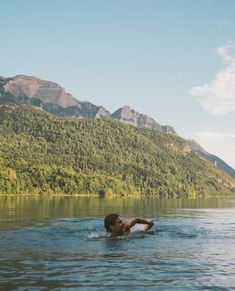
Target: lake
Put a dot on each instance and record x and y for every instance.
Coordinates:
(59, 243)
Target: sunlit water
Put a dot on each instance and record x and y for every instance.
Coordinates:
(60, 243)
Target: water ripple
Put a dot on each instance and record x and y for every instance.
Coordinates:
(194, 251)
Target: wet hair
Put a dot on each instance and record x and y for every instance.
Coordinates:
(110, 220)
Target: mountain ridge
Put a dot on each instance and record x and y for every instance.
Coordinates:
(51, 97)
(210, 157)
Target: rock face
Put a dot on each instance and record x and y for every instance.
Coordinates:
(22, 86)
(83, 110)
(53, 98)
(130, 116)
(47, 95)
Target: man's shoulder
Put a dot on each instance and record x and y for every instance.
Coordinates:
(130, 223)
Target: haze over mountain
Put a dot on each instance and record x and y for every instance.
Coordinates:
(53, 98)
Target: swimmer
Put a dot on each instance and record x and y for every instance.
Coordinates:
(116, 227)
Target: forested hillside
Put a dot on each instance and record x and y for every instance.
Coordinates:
(52, 98)
(44, 154)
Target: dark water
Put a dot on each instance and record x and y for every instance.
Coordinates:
(60, 243)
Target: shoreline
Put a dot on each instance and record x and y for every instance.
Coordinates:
(110, 198)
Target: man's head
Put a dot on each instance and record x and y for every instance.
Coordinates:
(113, 222)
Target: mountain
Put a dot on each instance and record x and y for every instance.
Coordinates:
(31, 90)
(195, 147)
(130, 116)
(48, 95)
(53, 98)
(41, 153)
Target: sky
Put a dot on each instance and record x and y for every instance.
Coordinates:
(173, 60)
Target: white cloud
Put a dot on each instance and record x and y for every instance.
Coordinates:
(224, 52)
(219, 144)
(218, 97)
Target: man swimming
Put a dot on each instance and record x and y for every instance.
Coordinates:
(116, 227)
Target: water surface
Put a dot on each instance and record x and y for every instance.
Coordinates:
(60, 243)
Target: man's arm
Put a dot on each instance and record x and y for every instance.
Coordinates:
(139, 220)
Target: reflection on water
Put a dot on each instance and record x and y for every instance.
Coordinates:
(15, 207)
(59, 243)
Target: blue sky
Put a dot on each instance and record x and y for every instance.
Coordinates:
(173, 60)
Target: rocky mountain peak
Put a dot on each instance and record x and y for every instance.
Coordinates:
(34, 88)
(53, 98)
(130, 116)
